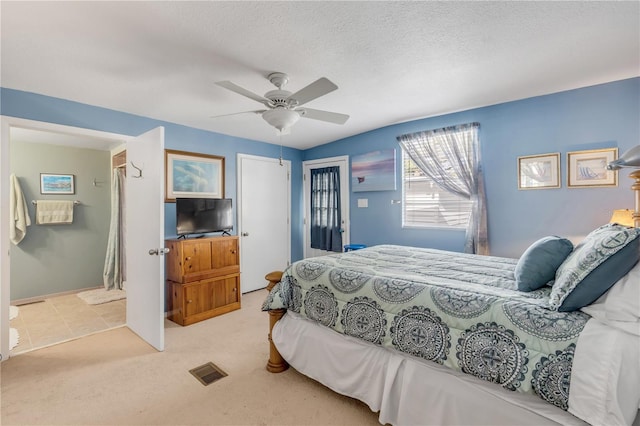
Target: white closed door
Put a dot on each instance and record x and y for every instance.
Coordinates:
(144, 210)
(264, 207)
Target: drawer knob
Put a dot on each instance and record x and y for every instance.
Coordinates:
(189, 301)
(187, 258)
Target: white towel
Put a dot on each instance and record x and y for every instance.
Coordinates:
(53, 212)
(14, 338)
(13, 312)
(18, 212)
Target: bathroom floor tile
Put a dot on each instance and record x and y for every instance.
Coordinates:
(61, 318)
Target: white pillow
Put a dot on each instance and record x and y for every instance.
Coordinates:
(620, 306)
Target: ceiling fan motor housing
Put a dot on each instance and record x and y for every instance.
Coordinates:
(279, 98)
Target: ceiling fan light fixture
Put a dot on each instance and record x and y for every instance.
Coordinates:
(281, 118)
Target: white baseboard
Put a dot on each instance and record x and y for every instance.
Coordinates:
(36, 299)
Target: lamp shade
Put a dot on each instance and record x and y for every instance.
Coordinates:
(630, 158)
(622, 217)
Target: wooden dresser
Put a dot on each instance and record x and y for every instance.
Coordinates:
(203, 278)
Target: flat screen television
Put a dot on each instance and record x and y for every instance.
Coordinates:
(203, 215)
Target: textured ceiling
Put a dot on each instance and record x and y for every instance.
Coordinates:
(392, 61)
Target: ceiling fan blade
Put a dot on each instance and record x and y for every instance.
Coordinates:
(259, 111)
(317, 114)
(242, 91)
(318, 88)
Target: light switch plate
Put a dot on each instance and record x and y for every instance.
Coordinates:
(363, 202)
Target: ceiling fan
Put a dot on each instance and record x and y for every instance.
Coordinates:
(284, 108)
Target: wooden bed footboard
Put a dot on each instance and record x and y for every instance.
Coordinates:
(276, 363)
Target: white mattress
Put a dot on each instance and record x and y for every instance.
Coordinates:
(404, 389)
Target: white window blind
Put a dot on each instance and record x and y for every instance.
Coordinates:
(425, 204)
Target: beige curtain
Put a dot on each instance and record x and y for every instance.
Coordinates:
(114, 272)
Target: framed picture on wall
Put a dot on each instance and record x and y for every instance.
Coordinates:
(374, 171)
(589, 168)
(53, 183)
(539, 171)
(193, 175)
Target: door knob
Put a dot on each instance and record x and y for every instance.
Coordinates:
(159, 252)
(245, 234)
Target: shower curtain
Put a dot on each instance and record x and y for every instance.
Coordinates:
(114, 264)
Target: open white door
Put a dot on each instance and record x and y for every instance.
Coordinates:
(144, 197)
(264, 194)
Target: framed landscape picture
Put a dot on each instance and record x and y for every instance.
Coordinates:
(192, 175)
(589, 168)
(539, 171)
(52, 183)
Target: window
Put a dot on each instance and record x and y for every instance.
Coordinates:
(452, 193)
(425, 204)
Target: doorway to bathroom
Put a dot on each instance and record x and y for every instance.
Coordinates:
(145, 300)
(61, 255)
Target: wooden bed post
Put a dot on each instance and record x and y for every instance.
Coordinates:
(276, 363)
(636, 187)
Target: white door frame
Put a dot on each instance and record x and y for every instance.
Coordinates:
(239, 158)
(6, 123)
(343, 162)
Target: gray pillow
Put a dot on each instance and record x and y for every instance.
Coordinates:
(538, 264)
(601, 259)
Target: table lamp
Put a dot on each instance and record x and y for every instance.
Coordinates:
(631, 159)
(622, 217)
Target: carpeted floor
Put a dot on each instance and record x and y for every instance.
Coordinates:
(117, 379)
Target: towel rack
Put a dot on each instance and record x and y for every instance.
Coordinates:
(75, 202)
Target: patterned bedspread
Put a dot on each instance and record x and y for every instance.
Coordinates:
(459, 310)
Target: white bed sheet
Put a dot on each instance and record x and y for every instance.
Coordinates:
(609, 393)
(404, 389)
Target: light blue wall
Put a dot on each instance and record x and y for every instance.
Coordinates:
(601, 116)
(596, 117)
(32, 106)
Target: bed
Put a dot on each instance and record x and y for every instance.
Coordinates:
(425, 336)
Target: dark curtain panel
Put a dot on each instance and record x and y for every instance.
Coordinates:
(326, 231)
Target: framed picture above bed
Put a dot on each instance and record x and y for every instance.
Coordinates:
(589, 168)
(539, 171)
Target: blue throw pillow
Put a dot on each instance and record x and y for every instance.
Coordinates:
(596, 264)
(538, 264)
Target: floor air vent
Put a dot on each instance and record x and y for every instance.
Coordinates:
(208, 373)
